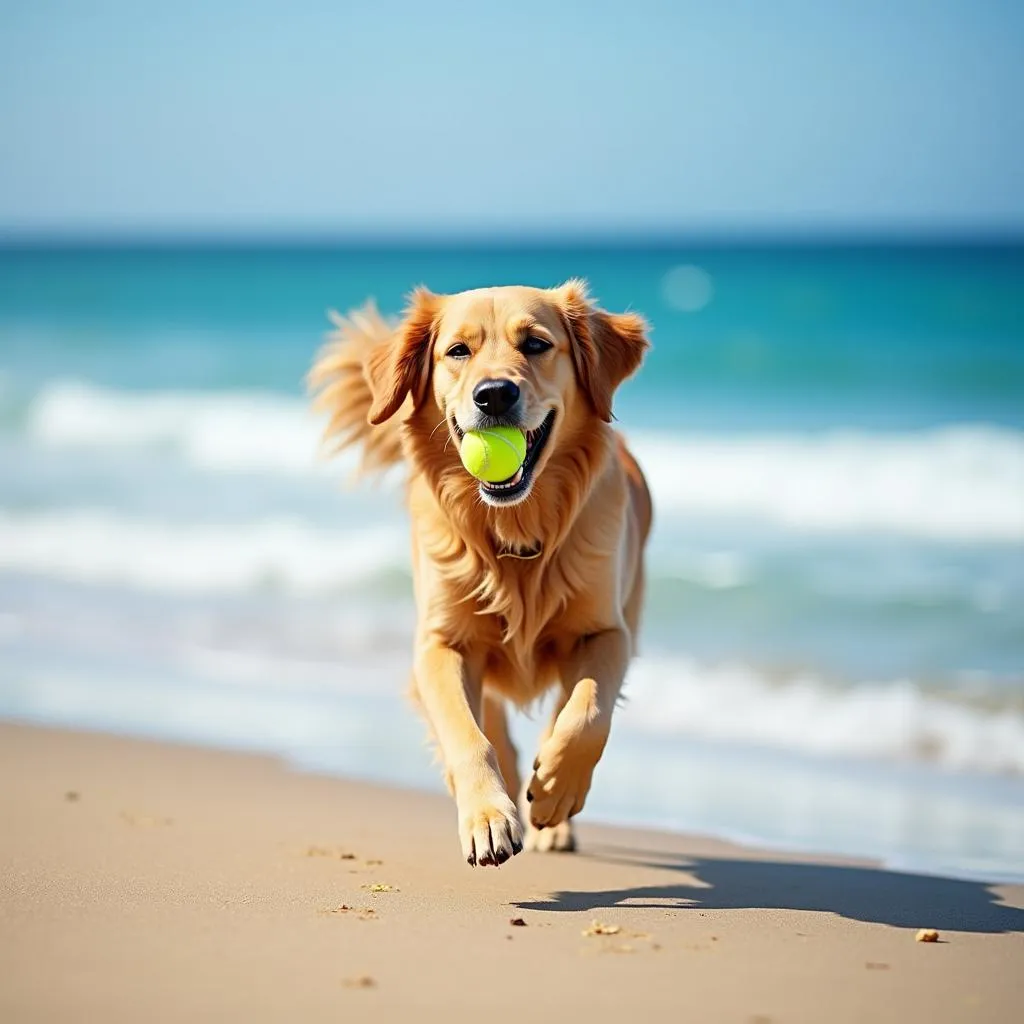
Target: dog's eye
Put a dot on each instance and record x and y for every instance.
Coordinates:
(534, 346)
(458, 351)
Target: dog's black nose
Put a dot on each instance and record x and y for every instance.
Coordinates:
(495, 397)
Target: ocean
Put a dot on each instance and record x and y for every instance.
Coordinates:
(833, 651)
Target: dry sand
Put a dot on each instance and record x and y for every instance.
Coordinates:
(145, 882)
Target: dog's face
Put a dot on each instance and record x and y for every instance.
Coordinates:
(542, 360)
(502, 357)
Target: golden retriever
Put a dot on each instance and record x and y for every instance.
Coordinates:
(524, 586)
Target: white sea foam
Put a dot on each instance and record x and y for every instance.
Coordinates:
(678, 697)
(958, 483)
(963, 483)
(223, 431)
(94, 546)
(336, 647)
(669, 695)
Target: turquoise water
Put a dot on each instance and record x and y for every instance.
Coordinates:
(834, 437)
(790, 336)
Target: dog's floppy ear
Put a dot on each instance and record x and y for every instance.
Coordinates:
(401, 366)
(607, 347)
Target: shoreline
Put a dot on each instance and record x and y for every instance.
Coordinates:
(152, 879)
(714, 769)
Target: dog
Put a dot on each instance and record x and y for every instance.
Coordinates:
(521, 587)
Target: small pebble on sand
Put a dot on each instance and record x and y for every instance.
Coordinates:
(361, 981)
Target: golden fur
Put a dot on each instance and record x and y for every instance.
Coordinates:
(495, 627)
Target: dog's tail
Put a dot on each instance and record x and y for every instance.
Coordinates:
(341, 390)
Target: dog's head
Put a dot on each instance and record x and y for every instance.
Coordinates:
(544, 360)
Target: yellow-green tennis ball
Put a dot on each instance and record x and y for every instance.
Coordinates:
(493, 454)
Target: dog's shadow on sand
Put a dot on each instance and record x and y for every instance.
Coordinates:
(874, 895)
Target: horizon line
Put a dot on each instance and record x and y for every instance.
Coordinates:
(675, 237)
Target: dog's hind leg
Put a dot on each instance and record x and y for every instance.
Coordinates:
(559, 838)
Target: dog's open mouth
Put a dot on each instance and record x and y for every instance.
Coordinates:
(510, 490)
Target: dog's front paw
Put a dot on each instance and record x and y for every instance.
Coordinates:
(563, 771)
(489, 829)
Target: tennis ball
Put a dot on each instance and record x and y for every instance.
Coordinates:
(493, 454)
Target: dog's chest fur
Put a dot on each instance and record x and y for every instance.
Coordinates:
(528, 615)
(522, 660)
(518, 620)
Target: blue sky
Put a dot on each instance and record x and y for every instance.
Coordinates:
(251, 117)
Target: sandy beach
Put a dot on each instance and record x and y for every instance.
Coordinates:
(143, 881)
